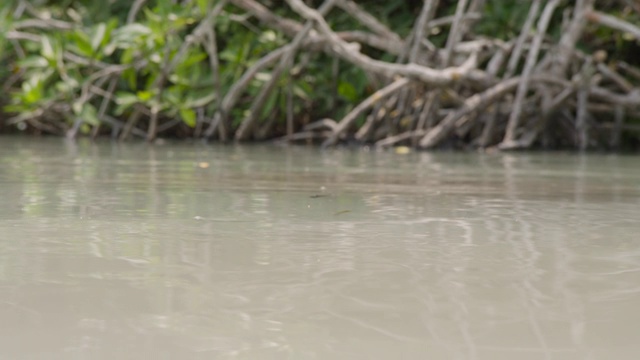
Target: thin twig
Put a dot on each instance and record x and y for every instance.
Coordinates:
(363, 106)
(523, 86)
(613, 22)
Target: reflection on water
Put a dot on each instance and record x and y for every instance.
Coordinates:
(129, 251)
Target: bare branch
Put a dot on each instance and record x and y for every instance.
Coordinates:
(363, 106)
(613, 22)
(368, 20)
(523, 86)
(351, 53)
(475, 103)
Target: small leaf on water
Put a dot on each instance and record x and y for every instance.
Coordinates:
(402, 150)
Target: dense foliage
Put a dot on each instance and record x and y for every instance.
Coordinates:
(232, 70)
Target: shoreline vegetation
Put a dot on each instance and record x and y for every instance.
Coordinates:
(473, 74)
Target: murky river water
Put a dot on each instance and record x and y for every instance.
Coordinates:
(129, 251)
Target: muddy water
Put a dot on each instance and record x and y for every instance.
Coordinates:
(127, 251)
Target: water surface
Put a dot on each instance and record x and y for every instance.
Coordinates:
(131, 251)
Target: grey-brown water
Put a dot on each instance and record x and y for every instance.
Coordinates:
(129, 251)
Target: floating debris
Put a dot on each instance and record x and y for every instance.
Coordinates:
(402, 150)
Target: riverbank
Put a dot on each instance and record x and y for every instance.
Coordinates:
(464, 75)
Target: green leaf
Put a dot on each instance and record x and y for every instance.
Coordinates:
(33, 62)
(270, 105)
(81, 41)
(127, 56)
(203, 5)
(72, 82)
(173, 97)
(77, 107)
(109, 49)
(47, 49)
(188, 116)
(133, 30)
(15, 108)
(85, 129)
(302, 90)
(107, 45)
(32, 89)
(89, 114)
(98, 36)
(156, 58)
(268, 36)
(227, 55)
(124, 100)
(347, 91)
(144, 95)
(204, 100)
(64, 87)
(32, 95)
(193, 58)
(151, 14)
(128, 35)
(131, 77)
